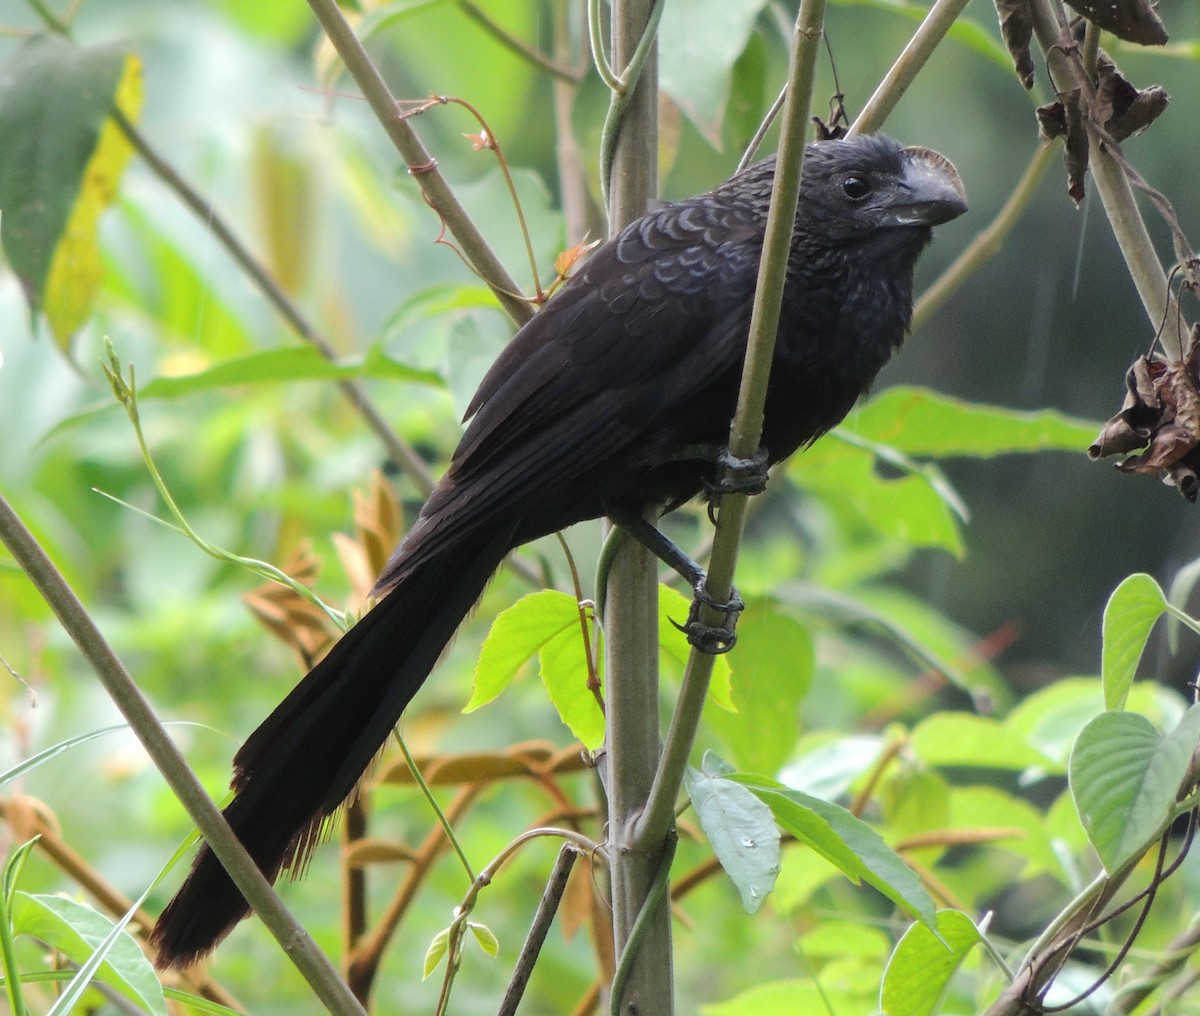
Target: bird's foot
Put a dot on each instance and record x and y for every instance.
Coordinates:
(712, 639)
(740, 476)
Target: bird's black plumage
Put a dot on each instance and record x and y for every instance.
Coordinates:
(601, 404)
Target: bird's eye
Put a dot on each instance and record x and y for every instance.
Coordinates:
(856, 187)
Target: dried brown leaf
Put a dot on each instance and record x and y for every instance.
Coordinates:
(1016, 25)
(1075, 155)
(1161, 414)
(1131, 20)
(1122, 108)
(295, 621)
(363, 852)
(1052, 121)
(378, 520)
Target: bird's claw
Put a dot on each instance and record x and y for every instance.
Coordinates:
(740, 476)
(708, 638)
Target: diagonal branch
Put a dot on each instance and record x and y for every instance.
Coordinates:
(421, 165)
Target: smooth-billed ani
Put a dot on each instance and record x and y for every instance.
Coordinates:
(608, 402)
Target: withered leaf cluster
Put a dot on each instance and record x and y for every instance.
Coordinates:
(1132, 20)
(1119, 107)
(1116, 106)
(1161, 416)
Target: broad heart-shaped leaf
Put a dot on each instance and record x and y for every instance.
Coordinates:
(920, 968)
(921, 422)
(544, 623)
(741, 830)
(1125, 777)
(76, 931)
(846, 842)
(1135, 605)
(60, 162)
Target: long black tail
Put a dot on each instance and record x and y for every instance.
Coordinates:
(305, 759)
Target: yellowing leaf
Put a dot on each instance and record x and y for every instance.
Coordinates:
(60, 163)
(75, 269)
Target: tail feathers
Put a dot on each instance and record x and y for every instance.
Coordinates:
(306, 758)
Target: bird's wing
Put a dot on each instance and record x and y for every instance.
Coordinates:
(654, 318)
(674, 287)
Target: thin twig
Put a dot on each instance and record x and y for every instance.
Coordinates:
(538, 929)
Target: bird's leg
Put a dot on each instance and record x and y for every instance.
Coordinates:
(712, 639)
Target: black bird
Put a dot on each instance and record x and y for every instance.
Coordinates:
(608, 402)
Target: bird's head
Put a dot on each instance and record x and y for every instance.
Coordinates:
(870, 186)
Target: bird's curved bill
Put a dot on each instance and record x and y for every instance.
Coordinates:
(933, 190)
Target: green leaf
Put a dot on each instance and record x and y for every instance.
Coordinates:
(964, 739)
(786, 998)
(1125, 777)
(699, 43)
(740, 828)
(1180, 591)
(77, 931)
(515, 636)
(563, 663)
(845, 841)
(790, 998)
(486, 938)
(1135, 605)
(918, 421)
(435, 952)
(274, 366)
(673, 605)
(913, 508)
(984, 808)
(919, 971)
(1050, 719)
(13, 867)
(60, 163)
(545, 623)
(774, 661)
